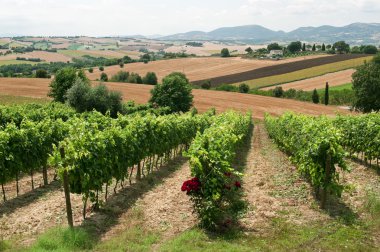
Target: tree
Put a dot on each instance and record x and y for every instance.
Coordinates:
(304, 47)
(327, 94)
(63, 81)
(77, 95)
(243, 88)
(323, 47)
(150, 78)
(314, 49)
(121, 64)
(341, 47)
(278, 92)
(121, 76)
(328, 47)
(145, 57)
(104, 77)
(134, 78)
(225, 53)
(101, 68)
(274, 46)
(174, 92)
(91, 70)
(315, 96)
(295, 47)
(82, 97)
(366, 86)
(41, 73)
(206, 84)
(249, 50)
(370, 49)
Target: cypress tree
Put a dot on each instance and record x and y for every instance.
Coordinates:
(315, 96)
(304, 47)
(313, 49)
(327, 94)
(323, 47)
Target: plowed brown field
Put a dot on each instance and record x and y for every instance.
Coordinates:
(203, 99)
(334, 79)
(197, 68)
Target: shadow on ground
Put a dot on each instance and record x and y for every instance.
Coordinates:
(117, 204)
(23, 200)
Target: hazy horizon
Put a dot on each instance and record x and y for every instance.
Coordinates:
(122, 18)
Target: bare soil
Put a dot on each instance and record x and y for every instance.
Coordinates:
(164, 209)
(203, 99)
(197, 69)
(273, 187)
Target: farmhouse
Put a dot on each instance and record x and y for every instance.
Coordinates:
(275, 53)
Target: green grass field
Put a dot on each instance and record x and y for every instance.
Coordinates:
(43, 45)
(13, 62)
(341, 87)
(306, 73)
(78, 54)
(10, 100)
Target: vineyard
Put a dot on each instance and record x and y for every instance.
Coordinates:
(318, 145)
(97, 159)
(92, 152)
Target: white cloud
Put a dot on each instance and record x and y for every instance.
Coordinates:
(121, 17)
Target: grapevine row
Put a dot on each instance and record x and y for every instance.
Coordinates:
(314, 144)
(216, 183)
(97, 153)
(361, 134)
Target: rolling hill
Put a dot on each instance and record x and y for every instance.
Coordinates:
(356, 33)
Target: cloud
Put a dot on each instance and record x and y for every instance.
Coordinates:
(122, 17)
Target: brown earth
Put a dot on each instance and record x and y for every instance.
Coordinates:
(203, 99)
(197, 68)
(334, 79)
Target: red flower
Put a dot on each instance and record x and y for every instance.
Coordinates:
(191, 185)
(238, 184)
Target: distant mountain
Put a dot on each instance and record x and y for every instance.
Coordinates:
(356, 33)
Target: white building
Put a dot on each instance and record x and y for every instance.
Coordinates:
(275, 53)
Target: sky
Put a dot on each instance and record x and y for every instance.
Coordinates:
(148, 17)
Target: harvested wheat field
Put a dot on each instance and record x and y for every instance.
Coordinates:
(197, 68)
(334, 79)
(203, 99)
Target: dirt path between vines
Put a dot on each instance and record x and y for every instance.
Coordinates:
(165, 208)
(25, 217)
(273, 187)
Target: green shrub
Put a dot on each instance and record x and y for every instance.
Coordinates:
(243, 88)
(104, 77)
(150, 78)
(121, 76)
(206, 84)
(227, 88)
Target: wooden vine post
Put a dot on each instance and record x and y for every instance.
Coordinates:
(44, 174)
(327, 180)
(66, 189)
